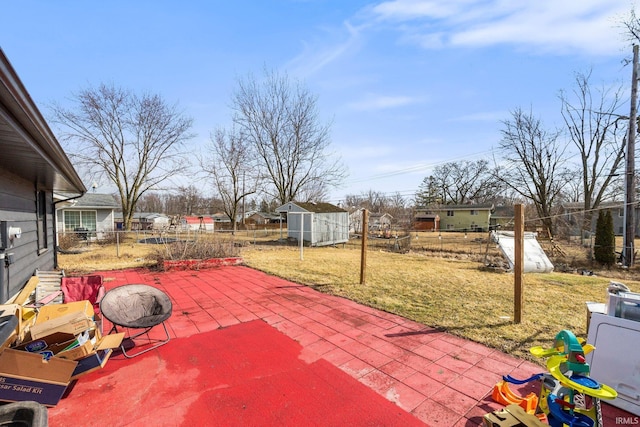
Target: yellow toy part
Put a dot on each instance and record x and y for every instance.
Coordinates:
(601, 392)
(539, 351)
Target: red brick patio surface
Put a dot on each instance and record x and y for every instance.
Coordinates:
(441, 379)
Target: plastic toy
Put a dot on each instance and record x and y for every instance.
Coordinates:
(568, 395)
(503, 394)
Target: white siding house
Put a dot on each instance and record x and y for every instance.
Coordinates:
(93, 212)
(320, 224)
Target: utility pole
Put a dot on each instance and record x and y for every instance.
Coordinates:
(630, 188)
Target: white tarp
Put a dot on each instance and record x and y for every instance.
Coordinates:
(535, 260)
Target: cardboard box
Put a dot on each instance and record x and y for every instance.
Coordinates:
(72, 323)
(95, 343)
(512, 416)
(28, 377)
(49, 345)
(53, 311)
(92, 363)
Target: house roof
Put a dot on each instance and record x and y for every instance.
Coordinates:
(141, 216)
(266, 215)
(95, 201)
(320, 207)
(442, 208)
(379, 215)
(579, 206)
(29, 148)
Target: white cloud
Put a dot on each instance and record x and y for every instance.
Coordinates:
(382, 102)
(550, 26)
(319, 54)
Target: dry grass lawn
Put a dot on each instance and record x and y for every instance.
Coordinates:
(444, 290)
(452, 294)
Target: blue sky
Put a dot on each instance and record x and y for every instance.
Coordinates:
(406, 84)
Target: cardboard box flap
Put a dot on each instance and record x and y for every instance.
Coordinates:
(29, 365)
(53, 311)
(92, 363)
(74, 322)
(96, 343)
(111, 341)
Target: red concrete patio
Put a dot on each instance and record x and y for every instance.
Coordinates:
(440, 379)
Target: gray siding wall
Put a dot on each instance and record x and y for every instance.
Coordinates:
(18, 204)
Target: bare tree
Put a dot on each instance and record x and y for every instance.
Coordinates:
(597, 132)
(631, 26)
(150, 202)
(232, 170)
(280, 119)
(185, 200)
(463, 182)
(398, 209)
(534, 162)
(136, 141)
(374, 201)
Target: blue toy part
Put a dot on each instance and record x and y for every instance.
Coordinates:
(510, 379)
(558, 417)
(585, 381)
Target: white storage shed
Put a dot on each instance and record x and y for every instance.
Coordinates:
(320, 224)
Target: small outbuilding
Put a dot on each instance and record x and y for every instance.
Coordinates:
(319, 224)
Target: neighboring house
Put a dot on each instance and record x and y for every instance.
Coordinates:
(93, 213)
(320, 224)
(158, 221)
(33, 166)
(220, 217)
(574, 215)
(460, 217)
(377, 222)
(262, 218)
(502, 217)
(144, 221)
(197, 223)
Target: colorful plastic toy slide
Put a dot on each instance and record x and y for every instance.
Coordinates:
(580, 383)
(503, 395)
(559, 417)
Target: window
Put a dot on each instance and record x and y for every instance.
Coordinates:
(450, 227)
(621, 213)
(79, 219)
(449, 213)
(41, 220)
(474, 212)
